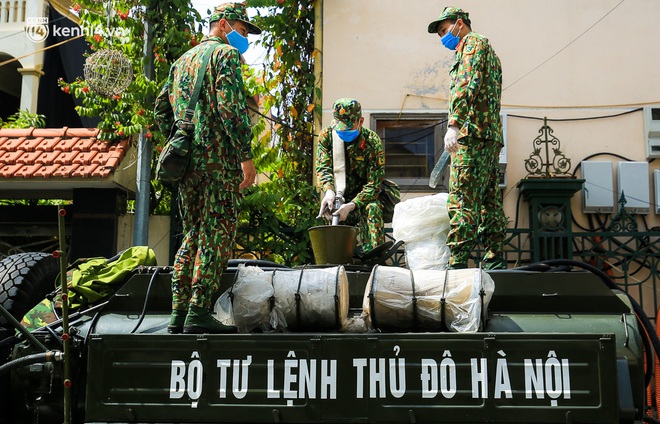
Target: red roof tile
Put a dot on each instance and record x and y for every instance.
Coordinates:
(84, 144)
(84, 157)
(13, 144)
(66, 157)
(30, 145)
(27, 170)
(58, 152)
(48, 144)
(28, 158)
(83, 170)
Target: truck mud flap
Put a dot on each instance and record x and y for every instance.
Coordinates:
(325, 378)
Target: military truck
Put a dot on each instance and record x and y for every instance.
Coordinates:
(558, 342)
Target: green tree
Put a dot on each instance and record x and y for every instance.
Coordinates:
(175, 28)
(277, 213)
(282, 209)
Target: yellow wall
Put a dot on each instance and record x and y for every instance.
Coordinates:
(159, 236)
(561, 59)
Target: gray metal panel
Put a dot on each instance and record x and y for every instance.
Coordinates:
(633, 181)
(598, 190)
(652, 131)
(656, 181)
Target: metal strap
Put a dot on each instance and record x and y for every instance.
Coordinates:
(414, 300)
(297, 295)
(337, 320)
(443, 304)
(372, 301)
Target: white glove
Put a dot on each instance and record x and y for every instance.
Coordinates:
(451, 139)
(327, 203)
(344, 210)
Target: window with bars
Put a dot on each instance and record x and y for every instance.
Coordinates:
(412, 143)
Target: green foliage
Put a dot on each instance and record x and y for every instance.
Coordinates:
(24, 119)
(282, 209)
(175, 28)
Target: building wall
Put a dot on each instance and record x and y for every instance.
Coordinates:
(159, 235)
(15, 43)
(561, 59)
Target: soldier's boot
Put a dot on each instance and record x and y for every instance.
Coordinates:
(200, 321)
(177, 319)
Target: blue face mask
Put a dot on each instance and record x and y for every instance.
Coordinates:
(348, 135)
(450, 40)
(237, 40)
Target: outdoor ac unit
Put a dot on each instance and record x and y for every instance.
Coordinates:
(503, 160)
(656, 181)
(633, 181)
(652, 131)
(598, 189)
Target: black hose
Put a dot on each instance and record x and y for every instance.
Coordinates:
(9, 341)
(639, 312)
(146, 299)
(50, 356)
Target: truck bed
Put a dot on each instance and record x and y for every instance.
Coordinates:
(555, 348)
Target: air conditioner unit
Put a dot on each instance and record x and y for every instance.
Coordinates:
(598, 190)
(656, 181)
(503, 160)
(652, 131)
(633, 182)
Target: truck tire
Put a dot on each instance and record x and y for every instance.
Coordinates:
(25, 280)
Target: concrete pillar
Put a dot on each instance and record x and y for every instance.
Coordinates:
(30, 87)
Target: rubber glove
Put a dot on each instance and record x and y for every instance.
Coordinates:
(327, 203)
(344, 210)
(451, 139)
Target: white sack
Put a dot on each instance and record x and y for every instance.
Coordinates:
(419, 218)
(388, 299)
(323, 303)
(430, 253)
(250, 308)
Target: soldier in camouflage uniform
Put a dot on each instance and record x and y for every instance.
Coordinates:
(474, 137)
(365, 171)
(221, 164)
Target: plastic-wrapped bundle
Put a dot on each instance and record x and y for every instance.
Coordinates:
(297, 299)
(398, 299)
(417, 218)
(423, 223)
(247, 303)
(430, 253)
(312, 298)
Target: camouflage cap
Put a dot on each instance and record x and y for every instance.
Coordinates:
(234, 12)
(346, 112)
(449, 12)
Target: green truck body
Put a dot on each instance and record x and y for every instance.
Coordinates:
(557, 347)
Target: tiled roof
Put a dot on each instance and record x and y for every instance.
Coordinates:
(42, 153)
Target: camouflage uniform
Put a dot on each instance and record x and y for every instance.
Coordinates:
(39, 316)
(474, 202)
(208, 194)
(365, 171)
